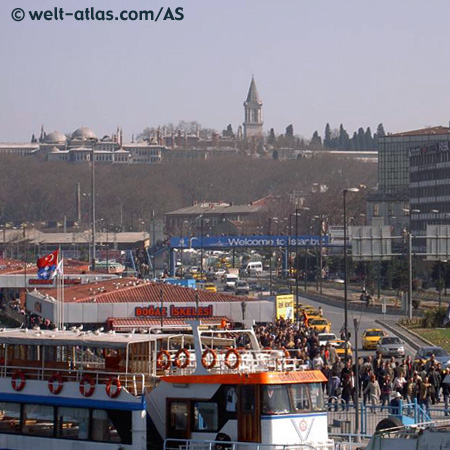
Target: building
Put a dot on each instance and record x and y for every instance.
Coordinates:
(77, 148)
(131, 303)
(212, 218)
(429, 187)
(389, 205)
(253, 120)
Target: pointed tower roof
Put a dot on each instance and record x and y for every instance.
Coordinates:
(253, 96)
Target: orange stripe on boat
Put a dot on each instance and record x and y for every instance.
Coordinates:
(309, 376)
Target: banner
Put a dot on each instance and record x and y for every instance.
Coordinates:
(285, 306)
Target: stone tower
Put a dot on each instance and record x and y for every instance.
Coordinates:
(253, 122)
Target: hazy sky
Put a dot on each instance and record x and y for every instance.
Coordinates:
(352, 61)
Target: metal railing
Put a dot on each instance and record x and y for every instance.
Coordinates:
(191, 444)
(134, 383)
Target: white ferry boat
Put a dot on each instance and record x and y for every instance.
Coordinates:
(93, 390)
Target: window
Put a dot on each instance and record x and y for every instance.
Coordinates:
(376, 209)
(206, 416)
(73, 423)
(38, 420)
(103, 429)
(300, 397)
(275, 399)
(178, 416)
(9, 417)
(316, 392)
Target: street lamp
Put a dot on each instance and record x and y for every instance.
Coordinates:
(93, 142)
(297, 214)
(440, 280)
(346, 270)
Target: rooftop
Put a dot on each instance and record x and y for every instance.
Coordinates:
(422, 132)
(134, 290)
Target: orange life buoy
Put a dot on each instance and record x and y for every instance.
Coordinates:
(212, 363)
(16, 376)
(87, 379)
(287, 355)
(113, 381)
(163, 360)
(267, 348)
(182, 363)
(237, 361)
(55, 384)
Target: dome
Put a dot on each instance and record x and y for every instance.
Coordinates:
(83, 134)
(55, 138)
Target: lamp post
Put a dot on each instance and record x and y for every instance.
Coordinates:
(93, 142)
(440, 280)
(297, 214)
(346, 270)
(356, 324)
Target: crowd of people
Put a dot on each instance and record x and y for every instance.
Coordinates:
(382, 383)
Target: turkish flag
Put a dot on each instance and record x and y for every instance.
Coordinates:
(48, 261)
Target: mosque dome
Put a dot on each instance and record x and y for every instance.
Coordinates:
(55, 138)
(83, 134)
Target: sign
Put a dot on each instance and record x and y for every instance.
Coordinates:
(246, 241)
(371, 243)
(285, 306)
(173, 311)
(50, 283)
(438, 242)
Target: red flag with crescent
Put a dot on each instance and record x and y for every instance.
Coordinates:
(47, 265)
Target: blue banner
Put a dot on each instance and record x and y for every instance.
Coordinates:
(246, 241)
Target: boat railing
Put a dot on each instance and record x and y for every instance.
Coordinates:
(134, 383)
(191, 444)
(228, 360)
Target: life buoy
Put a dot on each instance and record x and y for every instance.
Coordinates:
(113, 381)
(55, 384)
(267, 348)
(15, 383)
(287, 355)
(163, 360)
(87, 379)
(237, 362)
(181, 362)
(212, 363)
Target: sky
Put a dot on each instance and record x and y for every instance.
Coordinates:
(354, 62)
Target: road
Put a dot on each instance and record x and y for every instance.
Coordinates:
(367, 320)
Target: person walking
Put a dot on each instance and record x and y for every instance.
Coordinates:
(373, 391)
(386, 390)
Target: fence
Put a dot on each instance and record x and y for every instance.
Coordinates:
(342, 416)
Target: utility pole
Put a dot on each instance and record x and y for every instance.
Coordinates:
(356, 324)
(93, 141)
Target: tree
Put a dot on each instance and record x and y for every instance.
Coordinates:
(327, 136)
(271, 139)
(316, 141)
(290, 131)
(380, 130)
(344, 139)
(368, 141)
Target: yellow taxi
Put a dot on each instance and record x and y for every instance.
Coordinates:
(339, 345)
(371, 337)
(320, 324)
(210, 287)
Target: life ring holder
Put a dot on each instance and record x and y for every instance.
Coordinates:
(56, 383)
(187, 358)
(237, 362)
(87, 379)
(16, 376)
(113, 381)
(212, 363)
(163, 360)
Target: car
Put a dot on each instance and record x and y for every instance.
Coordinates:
(321, 324)
(391, 346)
(339, 345)
(371, 337)
(241, 287)
(230, 281)
(324, 338)
(424, 354)
(219, 273)
(210, 287)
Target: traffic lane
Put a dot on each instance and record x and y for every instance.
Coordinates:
(366, 320)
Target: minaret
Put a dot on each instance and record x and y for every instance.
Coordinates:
(253, 122)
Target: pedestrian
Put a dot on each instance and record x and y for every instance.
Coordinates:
(425, 394)
(386, 389)
(373, 391)
(347, 389)
(445, 386)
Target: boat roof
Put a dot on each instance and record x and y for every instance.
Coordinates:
(23, 336)
(307, 376)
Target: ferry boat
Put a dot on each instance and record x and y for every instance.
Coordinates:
(74, 389)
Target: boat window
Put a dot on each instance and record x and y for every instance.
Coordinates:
(38, 420)
(247, 395)
(206, 416)
(73, 423)
(275, 399)
(178, 416)
(103, 429)
(9, 417)
(317, 401)
(300, 397)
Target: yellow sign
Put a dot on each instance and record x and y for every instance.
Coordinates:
(285, 306)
